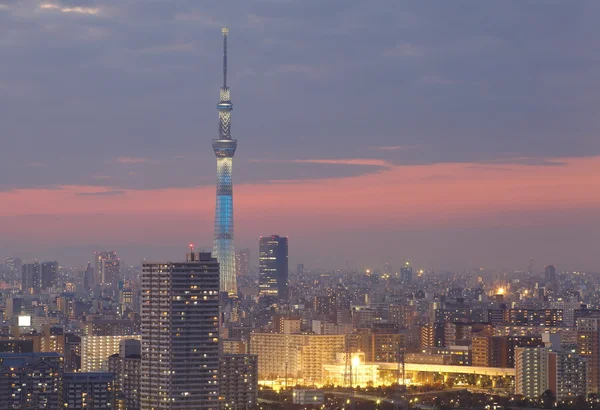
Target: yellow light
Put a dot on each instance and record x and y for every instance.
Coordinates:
(355, 361)
(500, 291)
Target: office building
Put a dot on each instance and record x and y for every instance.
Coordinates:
(107, 269)
(273, 266)
(242, 262)
(406, 272)
(30, 380)
(31, 279)
(224, 147)
(95, 351)
(49, 271)
(88, 390)
(180, 333)
(238, 380)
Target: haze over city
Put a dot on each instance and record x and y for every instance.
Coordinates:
(458, 134)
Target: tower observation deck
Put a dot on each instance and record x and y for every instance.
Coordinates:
(224, 147)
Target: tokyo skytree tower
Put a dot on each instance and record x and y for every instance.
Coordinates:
(224, 147)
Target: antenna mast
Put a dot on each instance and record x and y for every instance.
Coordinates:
(225, 32)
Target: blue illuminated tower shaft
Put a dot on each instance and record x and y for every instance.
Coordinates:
(224, 147)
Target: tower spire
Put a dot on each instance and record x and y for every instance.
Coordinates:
(225, 32)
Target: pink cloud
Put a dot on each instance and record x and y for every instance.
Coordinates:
(398, 197)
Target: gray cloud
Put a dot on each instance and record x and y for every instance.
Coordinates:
(468, 81)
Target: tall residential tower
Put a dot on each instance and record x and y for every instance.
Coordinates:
(224, 147)
(180, 334)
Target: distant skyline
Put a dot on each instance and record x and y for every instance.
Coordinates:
(459, 135)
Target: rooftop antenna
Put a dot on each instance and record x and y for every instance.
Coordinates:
(225, 32)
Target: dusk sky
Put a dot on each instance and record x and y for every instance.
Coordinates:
(460, 134)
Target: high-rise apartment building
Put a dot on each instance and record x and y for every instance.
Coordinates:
(94, 390)
(224, 147)
(95, 351)
(242, 262)
(126, 366)
(49, 270)
(273, 266)
(238, 380)
(30, 380)
(107, 268)
(295, 355)
(567, 375)
(180, 334)
(588, 342)
(531, 371)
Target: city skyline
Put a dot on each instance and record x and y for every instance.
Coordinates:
(406, 131)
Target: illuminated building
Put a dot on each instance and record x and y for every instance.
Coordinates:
(242, 262)
(229, 346)
(224, 148)
(66, 304)
(238, 380)
(385, 346)
(14, 265)
(180, 333)
(95, 351)
(16, 346)
(567, 375)
(432, 336)
(107, 268)
(362, 374)
(30, 380)
(588, 343)
(72, 352)
(273, 266)
(402, 315)
(298, 356)
(531, 367)
(126, 367)
(406, 272)
(53, 340)
(88, 390)
(535, 317)
(286, 325)
(98, 326)
(363, 316)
